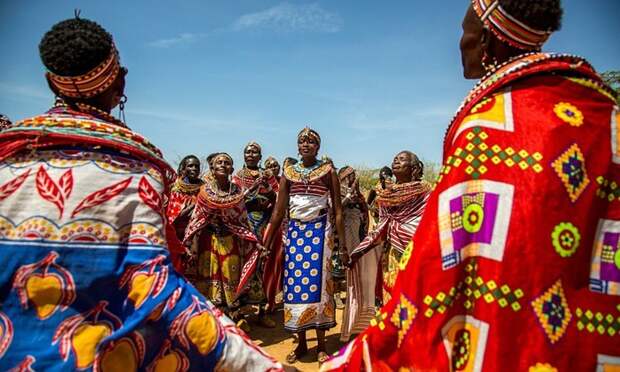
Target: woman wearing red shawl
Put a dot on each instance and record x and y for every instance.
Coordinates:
(220, 237)
(181, 204)
(260, 189)
(516, 263)
(272, 165)
(87, 283)
(401, 205)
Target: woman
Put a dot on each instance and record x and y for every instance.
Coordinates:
(360, 305)
(5, 122)
(355, 215)
(260, 189)
(272, 165)
(517, 243)
(401, 206)
(219, 233)
(87, 280)
(181, 204)
(311, 192)
(385, 179)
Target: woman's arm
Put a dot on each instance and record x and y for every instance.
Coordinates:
(335, 194)
(371, 196)
(278, 213)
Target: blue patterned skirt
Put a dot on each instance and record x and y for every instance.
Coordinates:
(308, 284)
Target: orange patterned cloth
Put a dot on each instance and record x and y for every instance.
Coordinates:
(516, 262)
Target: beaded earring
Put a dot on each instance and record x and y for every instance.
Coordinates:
(488, 63)
(121, 108)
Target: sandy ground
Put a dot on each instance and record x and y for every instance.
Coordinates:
(279, 343)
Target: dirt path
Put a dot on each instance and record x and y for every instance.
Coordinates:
(279, 343)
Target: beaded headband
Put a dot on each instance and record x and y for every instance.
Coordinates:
(91, 83)
(309, 133)
(271, 161)
(254, 144)
(222, 154)
(507, 28)
(345, 172)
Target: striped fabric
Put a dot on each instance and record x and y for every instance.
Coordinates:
(396, 224)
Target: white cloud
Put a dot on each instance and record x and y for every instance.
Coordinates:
(287, 17)
(11, 89)
(184, 38)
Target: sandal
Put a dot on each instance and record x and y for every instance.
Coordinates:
(244, 326)
(295, 355)
(322, 357)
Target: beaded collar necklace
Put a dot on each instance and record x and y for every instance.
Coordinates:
(92, 111)
(185, 187)
(249, 175)
(211, 195)
(509, 67)
(305, 171)
(400, 193)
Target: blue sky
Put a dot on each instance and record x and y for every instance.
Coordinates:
(372, 77)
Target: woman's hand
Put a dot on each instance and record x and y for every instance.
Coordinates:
(187, 211)
(344, 256)
(264, 252)
(352, 259)
(188, 256)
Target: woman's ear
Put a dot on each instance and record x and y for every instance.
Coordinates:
(51, 86)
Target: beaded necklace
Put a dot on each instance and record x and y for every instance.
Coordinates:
(509, 67)
(248, 176)
(92, 111)
(211, 195)
(304, 171)
(398, 194)
(299, 173)
(185, 187)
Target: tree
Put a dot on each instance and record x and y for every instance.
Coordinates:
(612, 78)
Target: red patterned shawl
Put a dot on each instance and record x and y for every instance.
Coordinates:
(395, 219)
(516, 262)
(230, 214)
(274, 262)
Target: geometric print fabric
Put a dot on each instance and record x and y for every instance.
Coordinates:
(304, 258)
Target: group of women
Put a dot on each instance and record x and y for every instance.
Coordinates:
(252, 234)
(113, 262)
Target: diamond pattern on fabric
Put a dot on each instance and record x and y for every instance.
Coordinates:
(553, 312)
(571, 168)
(403, 316)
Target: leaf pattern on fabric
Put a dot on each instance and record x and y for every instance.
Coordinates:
(101, 196)
(50, 191)
(10, 187)
(66, 183)
(149, 195)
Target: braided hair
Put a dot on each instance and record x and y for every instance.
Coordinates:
(75, 46)
(539, 14)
